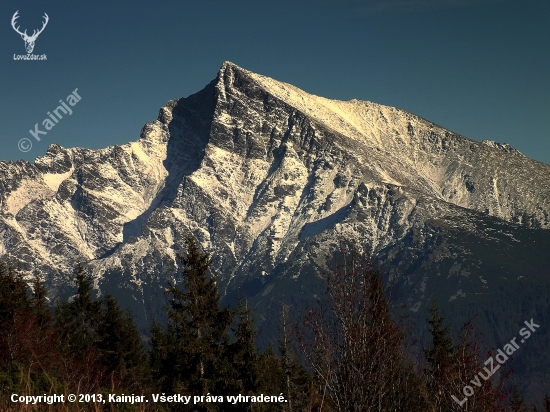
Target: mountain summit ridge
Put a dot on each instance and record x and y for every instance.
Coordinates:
(368, 122)
(263, 121)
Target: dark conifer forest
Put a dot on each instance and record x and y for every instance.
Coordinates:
(348, 354)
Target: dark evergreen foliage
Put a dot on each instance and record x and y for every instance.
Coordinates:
(192, 355)
(358, 353)
(14, 296)
(517, 403)
(441, 361)
(297, 382)
(442, 354)
(121, 348)
(77, 320)
(39, 302)
(243, 353)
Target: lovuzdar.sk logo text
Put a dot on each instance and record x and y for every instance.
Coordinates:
(29, 40)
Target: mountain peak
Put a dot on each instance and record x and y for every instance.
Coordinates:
(265, 139)
(227, 63)
(503, 147)
(230, 70)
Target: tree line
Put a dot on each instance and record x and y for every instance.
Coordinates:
(349, 354)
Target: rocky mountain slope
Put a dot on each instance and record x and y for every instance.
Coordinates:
(268, 178)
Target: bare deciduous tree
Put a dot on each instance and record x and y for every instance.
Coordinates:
(355, 348)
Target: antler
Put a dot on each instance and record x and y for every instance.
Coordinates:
(15, 17)
(35, 33)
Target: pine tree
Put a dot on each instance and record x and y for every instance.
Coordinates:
(77, 320)
(39, 302)
(161, 369)
(17, 323)
(449, 369)
(14, 294)
(121, 349)
(42, 337)
(243, 354)
(442, 354)
(517, 403)
(192, 355)
(441, 360)
(27, 340)
(546, 403)
(270, 379)
(284, 349)
(297, 382)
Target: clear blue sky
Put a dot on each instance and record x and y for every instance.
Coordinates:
(478, 67)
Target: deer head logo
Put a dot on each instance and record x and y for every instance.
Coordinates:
(29, 40)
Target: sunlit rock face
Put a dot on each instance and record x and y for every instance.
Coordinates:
(270, 179)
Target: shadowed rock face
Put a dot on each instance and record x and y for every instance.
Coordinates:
(268, 178)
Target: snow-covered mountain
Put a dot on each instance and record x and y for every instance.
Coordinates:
(268, 178)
